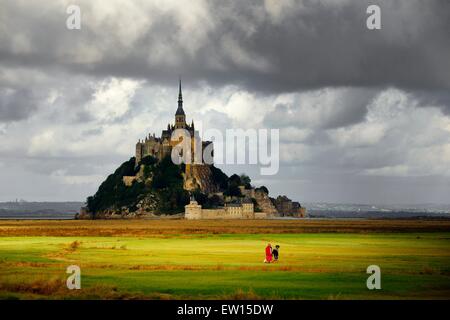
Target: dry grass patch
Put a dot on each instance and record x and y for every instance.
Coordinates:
(165, 228)
(75, 245)
(241, 294)
(56, 288)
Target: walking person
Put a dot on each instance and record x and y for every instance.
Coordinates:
(275, 253)
(268, 254)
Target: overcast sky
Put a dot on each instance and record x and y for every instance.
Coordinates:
(364, 115)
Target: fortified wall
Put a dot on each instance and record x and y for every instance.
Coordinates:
(245, 210)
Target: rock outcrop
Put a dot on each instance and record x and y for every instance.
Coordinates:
(286, 207)
(199, 177)
(264, 202)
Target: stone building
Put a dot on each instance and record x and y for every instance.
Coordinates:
(160, 147)
(237, 210)
(197, 175)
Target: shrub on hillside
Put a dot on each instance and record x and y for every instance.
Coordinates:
(167, 183)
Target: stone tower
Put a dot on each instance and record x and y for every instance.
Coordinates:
(180, 116)
(193, 210)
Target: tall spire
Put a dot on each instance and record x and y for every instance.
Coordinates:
(180, 110)
(180, 96)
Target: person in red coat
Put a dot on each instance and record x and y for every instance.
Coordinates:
(268, 254)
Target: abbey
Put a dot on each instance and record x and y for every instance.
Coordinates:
(197, 175)
(160, 147)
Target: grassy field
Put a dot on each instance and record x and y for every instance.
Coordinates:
(204, 259)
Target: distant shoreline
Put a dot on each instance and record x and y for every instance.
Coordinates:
(23, 210)
(312, 216)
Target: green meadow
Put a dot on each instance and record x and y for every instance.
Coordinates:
(227, 266)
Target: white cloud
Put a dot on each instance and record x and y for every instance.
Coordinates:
(359, 135)
(417, 137)
(112, 98)
(44, 143)
(293, 134)
(20, 44)
(61, 176)
(278, 9)
(322, 108)
(295, 153)
(389, 171)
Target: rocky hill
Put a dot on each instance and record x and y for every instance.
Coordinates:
(160, 187)
(152, 188)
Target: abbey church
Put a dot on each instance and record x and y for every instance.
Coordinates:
(197, 176)
(160, 147)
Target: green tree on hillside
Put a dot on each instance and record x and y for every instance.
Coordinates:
(245, 180)
(167, 183)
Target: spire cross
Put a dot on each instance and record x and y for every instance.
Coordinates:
(180, 95)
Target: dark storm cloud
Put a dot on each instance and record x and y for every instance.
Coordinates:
(92, 132)
(287, 47)
(434, 98)
(232, 55)
(324, 43)
(16, 104)
(328, 109)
